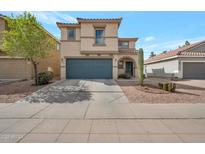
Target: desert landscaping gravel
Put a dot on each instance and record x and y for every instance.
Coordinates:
(11, 92)
(151, 94)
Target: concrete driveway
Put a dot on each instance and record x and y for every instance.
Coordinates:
(73, 99)
(193, 83)
(92, 99)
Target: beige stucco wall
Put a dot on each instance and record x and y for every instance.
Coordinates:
(52, 60)
(18, 68)
(64, 33)
(68, 50)
(88, 29)
(85, 40)
(118, 57)
(88, 37)
(111, 45)
(131, 44)
(14, 68)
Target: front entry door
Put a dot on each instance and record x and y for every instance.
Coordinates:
(129, 68)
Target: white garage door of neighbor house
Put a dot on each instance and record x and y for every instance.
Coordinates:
(194, 70)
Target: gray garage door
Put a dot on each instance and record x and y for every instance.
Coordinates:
(89, 68)
(194, 70)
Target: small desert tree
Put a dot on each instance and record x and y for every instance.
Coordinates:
(152, 54)
(186, 43)
(26, 38)
(141, 66)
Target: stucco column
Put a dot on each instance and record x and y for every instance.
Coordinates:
(180, 69)
(63, 68)
(115, 69)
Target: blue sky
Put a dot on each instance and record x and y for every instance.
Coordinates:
(157, 31)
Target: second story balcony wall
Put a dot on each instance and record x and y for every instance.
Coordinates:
(127, 45)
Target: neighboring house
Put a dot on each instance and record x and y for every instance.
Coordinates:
(91, 49)
(186, 62)
(19, 68)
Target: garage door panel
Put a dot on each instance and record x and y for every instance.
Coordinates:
(89, 68)
(194, 70)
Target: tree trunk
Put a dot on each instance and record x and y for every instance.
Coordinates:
(35, 72)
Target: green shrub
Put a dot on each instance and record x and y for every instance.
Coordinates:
(171, 87)
(160, 85)
(50, 75)
(165, 86)
(44, 77)
(124, 76)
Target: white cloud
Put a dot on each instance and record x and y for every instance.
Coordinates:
(149, 38)
(65, 17)
(168, 45)
(53, 17)
(50, 18)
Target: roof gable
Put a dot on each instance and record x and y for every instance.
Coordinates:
(185, 51)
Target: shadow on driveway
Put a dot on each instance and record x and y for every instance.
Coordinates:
(64, 92)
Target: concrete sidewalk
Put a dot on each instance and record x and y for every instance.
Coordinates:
(45, 122)
(106, 131)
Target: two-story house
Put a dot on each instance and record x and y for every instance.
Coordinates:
(18, 67)
(91, 49)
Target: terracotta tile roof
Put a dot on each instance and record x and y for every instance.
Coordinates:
(60, 24)
(185, 51)
(198, 53)
(63, 23)
(128, 39)
(120, 18)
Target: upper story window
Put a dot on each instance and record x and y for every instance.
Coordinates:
(71, 33)
(124, 44)
(99, 36)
